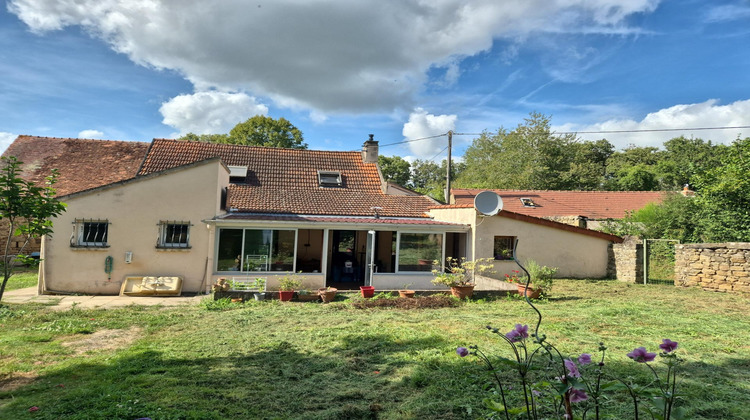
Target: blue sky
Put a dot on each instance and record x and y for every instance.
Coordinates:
(340, 70)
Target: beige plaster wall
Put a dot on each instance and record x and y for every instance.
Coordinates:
(576, 255)
(134, 210)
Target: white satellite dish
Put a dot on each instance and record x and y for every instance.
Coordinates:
(488, 203)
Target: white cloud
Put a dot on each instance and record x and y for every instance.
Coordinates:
(329, 56)
(727, 12)
(209, 112)
(90, 134)
(420, 125)
(701, 115)
(5, 140)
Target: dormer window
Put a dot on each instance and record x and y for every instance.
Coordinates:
(527, 202)
(329, 178)
(237, 174)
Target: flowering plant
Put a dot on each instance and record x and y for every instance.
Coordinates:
(459, 272)
(515, 278)
(573, 384)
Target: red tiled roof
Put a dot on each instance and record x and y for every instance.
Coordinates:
(318, 219)
(286, 180)
(591, 204)
(82, 163)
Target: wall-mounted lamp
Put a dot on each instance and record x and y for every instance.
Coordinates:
(128, 257)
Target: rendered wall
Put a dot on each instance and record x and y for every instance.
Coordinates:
(134, 210)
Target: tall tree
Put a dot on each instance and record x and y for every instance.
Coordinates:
(684, 158)
(395, 169)
(259, 130)
(529, 157)
(26, 209)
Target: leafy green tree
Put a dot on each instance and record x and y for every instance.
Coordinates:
(633, 169)
(588, 168)
(723, 196)
(259, 130)
(529, 157)
(684, 158)
(395, 169)
(27, 209)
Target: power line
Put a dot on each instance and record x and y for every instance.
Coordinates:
(438, 153)
(413, 140)
(650, 130)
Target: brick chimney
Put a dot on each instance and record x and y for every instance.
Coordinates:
(370, 150)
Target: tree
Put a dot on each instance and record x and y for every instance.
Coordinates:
(723, 196)
(257, 131)
(529, 157)
(261, 130)
(684, 158)
(634, 169)
(27, 209)
(395, 169)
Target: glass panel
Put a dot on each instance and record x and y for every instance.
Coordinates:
(257, 249)
(283, 250)
(230, 250)
(418, 250)
(94, 233)
(503, 249)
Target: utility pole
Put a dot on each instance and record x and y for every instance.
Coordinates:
(448, 172)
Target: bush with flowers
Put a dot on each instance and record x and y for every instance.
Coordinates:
(551, 384)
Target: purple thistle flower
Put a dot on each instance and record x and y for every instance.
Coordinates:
(577, 395)
(462, 351)
(584, 359)
(572, 369)
(641, 355)
(668, 345)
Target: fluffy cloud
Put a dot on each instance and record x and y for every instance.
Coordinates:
(700, 115)
(209, 112)
(5, 140)
(327, 56)
(90, 134)
(420, 125)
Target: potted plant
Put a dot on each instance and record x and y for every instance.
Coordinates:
(221, 285)
(287, 284)
(260, 285)
(305, 295)
(459, 274)
(367, 291)
(405, 292)
(327, 294)
(541, 280)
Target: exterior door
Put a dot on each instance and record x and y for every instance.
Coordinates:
(369, 257)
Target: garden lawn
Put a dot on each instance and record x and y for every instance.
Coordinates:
(22, 280)
(314, 361)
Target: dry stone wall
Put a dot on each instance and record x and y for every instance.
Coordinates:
(627, 259)
(716, 267)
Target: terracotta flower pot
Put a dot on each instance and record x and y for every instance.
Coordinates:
(367, 291)
(406, 293)
(531, 293)
(286, 295)
(462, 292)
(327, 294)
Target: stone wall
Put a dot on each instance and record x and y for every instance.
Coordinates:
(17, 242)
(626, 260)
(716, 267)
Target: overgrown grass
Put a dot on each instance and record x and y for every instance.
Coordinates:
(22, 279)
(315, 361)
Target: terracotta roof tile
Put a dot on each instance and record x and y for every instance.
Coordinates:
(82, 163)
(329, 219)
(591, 204)
(286, 180)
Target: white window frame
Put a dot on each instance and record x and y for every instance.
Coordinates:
(244, 257)
(164, 242)
(398, 251)
(330, 178)
(81, 238)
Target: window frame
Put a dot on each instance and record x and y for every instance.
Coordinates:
(497, 256)
(82, 234)
(324, 178)
(397, 265)
(244, 256)
(164, 225)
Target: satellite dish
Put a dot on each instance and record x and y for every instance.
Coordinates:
(488, 203)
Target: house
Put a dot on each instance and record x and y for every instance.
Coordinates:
(586, 209)
(202, 211)
(81, 163)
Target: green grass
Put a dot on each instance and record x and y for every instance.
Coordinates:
(22, 279)
(315, 361)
